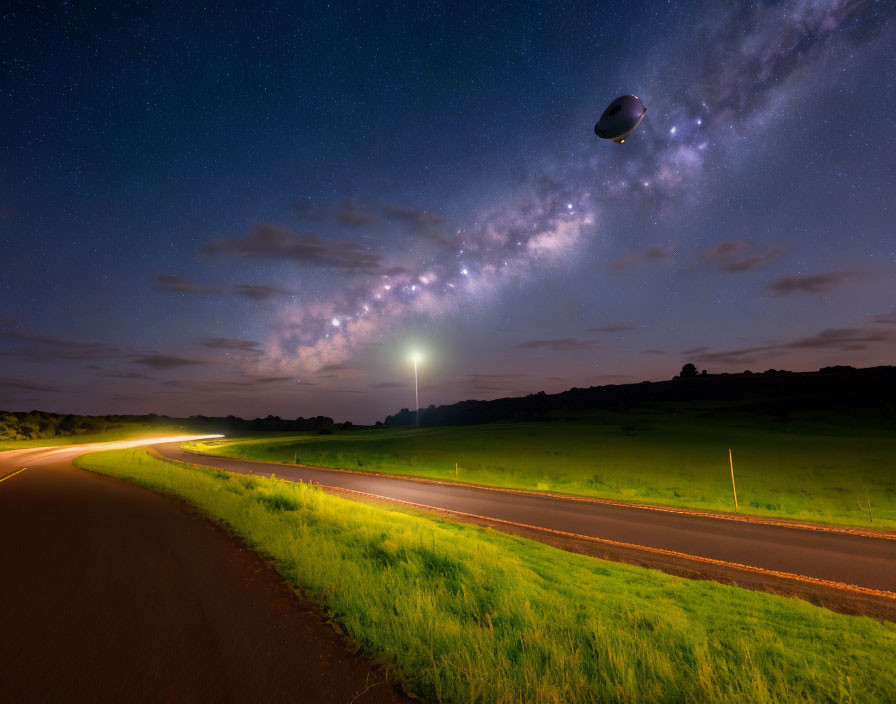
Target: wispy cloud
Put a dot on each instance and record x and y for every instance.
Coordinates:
(389, 385)
(38, 347)
(488, 383)
(237, 385)
(835, 339)
(13, 385)
(558, 345)
(724, 250)
(349, 214)
(614, 327)
(886, 319)
(724, 254)
(814, 283)
(163, 361)
(268, 241)
(231, 344)
(180, 284)
(121, 374)
(751, 263)
(652, 253)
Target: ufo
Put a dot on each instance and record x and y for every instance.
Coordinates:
(620, 118)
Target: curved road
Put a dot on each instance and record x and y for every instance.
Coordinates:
(838, 557)
(113, 593)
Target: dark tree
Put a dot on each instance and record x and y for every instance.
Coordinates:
(688, 371)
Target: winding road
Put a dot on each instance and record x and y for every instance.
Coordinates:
(826, 558)
(113, 593)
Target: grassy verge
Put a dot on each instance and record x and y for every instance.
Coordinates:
(465, 614)
(810, 475)
(123, 433)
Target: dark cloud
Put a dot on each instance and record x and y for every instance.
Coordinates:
(813, 283)
(180, 284)
(162, 361)
(558, 345)
(259, 292)
(835, 339)
(751, 263)
(347, 213)
(838, 338)
(653, 352)
(724, 250)
(37, 347)
(231, 343)
(329, 368)
(652, 253)
(411, 216)
(227, 386)
(614, 327)
(886, 319)
(657, 251)
(267, 241)
(486, 383)
(389, 385)
(338, 371)
(13, 385)
(351, 215)
(128, 397)
(119, 374)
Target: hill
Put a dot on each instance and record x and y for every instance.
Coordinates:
(838, 394)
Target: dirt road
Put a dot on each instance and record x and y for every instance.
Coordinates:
(112, 593)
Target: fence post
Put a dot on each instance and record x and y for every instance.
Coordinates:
(733, 485)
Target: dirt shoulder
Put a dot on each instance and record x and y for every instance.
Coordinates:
(111, 592)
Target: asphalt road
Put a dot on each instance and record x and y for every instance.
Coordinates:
(113, 593)
(838, 557)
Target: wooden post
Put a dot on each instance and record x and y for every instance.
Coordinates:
(733, 485)
(455, 471)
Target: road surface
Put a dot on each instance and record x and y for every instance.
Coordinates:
(113, 593)
(866, 562)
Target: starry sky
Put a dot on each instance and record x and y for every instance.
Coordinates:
(263, 208)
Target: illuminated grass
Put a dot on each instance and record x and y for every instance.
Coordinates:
(465, 614)
(811, 475)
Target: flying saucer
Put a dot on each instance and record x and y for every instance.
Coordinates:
(620, 118)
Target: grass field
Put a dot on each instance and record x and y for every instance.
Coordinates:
(465, 614)
(125, 432)
(816, 475)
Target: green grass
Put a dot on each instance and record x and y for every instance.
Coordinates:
(816, 474)
(465, 614)
(125, 432)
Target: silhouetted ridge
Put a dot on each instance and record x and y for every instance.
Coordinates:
(775, 394)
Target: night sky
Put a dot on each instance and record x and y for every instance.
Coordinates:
(202, 204)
